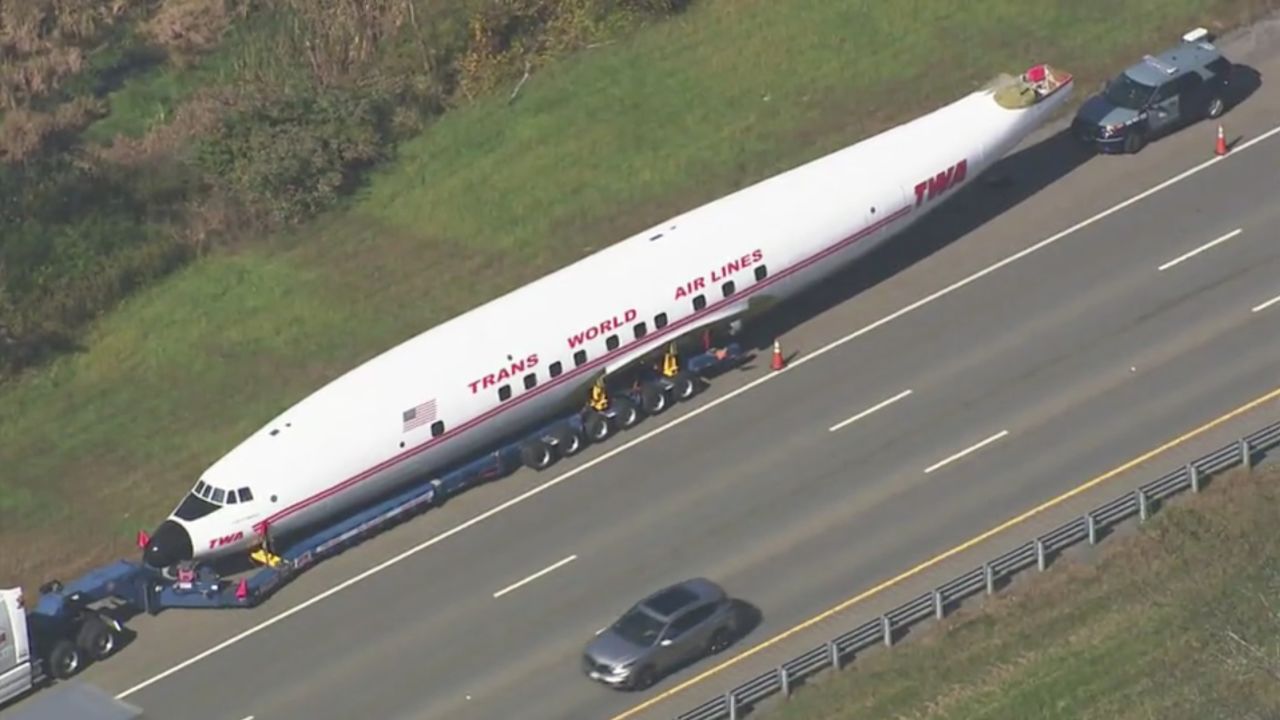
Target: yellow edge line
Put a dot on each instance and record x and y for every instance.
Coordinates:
(949, 553)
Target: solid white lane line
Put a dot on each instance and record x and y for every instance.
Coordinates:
(535, 576)
(685, 418)
(1200, 249)
(1267, 304)
(966, 451)
(868, 411)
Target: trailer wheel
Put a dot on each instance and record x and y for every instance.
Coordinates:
(568, 440)
(536, 455)
(597, 427)
(684, 386)
(64, 659)
(625, 412)
(653, 399)
(95, 639)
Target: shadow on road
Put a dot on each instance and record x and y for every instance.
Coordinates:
(1005, 185)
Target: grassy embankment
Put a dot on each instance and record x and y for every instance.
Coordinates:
(1181, 620)
(101, 442)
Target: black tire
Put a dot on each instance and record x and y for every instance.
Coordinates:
(1134, 141)
(1215, 107)
(644, 679)
(626, 415)
(568, 440)
(597, 427)
(64, 660)
(684, 386)
(653, 399)
(95, 638)
(720, 641)
(536, 455)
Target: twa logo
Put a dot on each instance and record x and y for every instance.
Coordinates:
(933, 187)
(226, 540)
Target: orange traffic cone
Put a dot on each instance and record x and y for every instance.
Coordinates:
(143, 539)
(778, 363)
(242, 590)
(1221, 147)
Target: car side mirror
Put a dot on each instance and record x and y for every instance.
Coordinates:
(665, 642)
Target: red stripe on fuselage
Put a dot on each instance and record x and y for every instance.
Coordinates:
(577, 372)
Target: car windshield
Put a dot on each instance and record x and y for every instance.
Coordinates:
(639, 628)
(1128, 93)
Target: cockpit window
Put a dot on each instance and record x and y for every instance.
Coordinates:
(231, 497)
(194, 508)
(200, 486)
(207, 492)
(218, 495)
(245, 495)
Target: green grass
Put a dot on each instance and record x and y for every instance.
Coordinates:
(597, 146)
(1142, 633)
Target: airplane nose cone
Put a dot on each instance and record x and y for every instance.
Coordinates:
(170, 544)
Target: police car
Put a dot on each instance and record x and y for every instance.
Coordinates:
(1156, 95)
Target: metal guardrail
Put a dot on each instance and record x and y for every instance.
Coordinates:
(839, 651)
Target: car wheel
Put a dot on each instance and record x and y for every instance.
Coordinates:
(720, 641)
(1216, 107)
(644, 679)
(1134, 141)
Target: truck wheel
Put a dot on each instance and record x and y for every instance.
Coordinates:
(536, 455)
(684, 386)
(95, 639)
(64, 659)
(1216, 107)
(653, 399)
(597, 427)
(568, 440)
(625, 412)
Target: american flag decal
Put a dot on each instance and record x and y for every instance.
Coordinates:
(420, 415)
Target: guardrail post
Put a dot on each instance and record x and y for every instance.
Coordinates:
(731, 704)
(784, 681)
(887, 625)
(835, 654)
(1092, 526)
(990, 576)
(937, 604)
(1142, 505)
(1194, 474)
(1040, 559)
(1246, 454)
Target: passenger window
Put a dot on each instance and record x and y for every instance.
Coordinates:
(640, 330)
(530, 380)
(699, 302)
(219, 495)
(691, 620)
(660, 320)
(580, 357)
(556, 368)
(504, 392)
(761, 272)
(437, 428)
(245, 495)
(727, 288)
(611, 342)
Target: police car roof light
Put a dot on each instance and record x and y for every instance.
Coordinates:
(1196, 35)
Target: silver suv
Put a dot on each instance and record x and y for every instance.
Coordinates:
(661, 633)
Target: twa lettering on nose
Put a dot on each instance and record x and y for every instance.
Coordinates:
(938, 184)
(226, 540)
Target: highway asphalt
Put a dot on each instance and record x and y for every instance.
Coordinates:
(1021, 385)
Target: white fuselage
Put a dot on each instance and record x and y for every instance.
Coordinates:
(346, 443)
